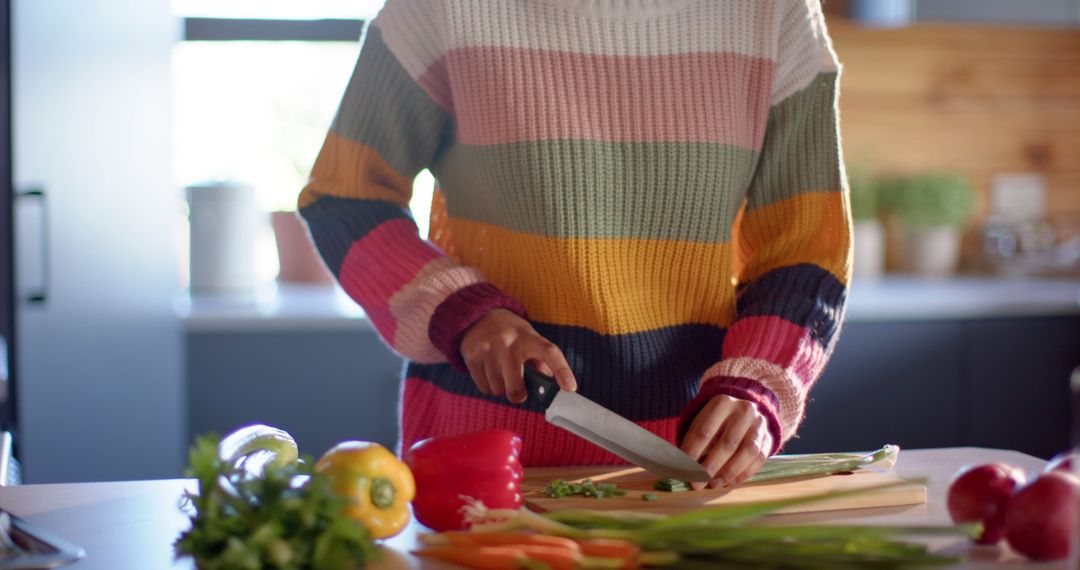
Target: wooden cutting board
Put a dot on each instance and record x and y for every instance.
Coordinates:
(637, 482)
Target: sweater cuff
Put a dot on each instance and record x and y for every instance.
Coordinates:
(743, 389)
(453, 317)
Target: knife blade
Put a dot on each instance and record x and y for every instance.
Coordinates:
(599, 425)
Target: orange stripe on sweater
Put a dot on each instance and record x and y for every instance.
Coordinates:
(610, 286)
(808, 228)
(348, 169)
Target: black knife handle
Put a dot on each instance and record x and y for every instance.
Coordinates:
(540, 386)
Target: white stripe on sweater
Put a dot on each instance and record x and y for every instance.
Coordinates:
(774, 378)
(415, 303)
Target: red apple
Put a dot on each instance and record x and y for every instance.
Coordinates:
(978, 494)
(1040, 519)
(1067, 461)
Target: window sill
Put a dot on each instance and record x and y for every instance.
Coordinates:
(275, 308)
(897, 298)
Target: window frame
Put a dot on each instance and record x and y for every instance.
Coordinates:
(255, 29)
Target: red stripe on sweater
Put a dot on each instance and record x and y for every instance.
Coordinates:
(504, 95)
(431, 412)
(776, 340)
(380, 264)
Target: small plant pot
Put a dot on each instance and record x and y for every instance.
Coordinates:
(299, 261)
(931, 252)
(869, 246)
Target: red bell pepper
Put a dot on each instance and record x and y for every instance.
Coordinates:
(484, 466)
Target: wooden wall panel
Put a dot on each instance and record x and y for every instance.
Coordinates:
(976, 99)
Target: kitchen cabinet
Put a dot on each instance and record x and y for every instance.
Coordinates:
(98, 352)
(993, 382)
(321, 386)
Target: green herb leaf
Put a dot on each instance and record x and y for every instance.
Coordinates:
(272, 521)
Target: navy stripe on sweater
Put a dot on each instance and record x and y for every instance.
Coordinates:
(641, 376)
(803, 294)
(336, 223)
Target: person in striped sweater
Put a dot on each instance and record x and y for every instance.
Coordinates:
(644, 198)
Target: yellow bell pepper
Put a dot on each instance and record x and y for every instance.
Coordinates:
(378, 485)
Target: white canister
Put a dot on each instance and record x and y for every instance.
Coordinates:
(224, 220)
(869, 250)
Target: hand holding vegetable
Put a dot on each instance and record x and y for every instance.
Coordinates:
(496, 348)
(730, 438)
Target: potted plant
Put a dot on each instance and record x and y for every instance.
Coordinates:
(867, 230)
(931, 210)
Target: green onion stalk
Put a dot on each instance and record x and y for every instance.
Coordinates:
(732, 536)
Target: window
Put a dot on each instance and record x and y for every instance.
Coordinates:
(256, 84)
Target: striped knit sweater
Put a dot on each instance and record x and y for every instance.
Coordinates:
(656, 185)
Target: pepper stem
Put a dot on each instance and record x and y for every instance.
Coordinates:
(382, 492)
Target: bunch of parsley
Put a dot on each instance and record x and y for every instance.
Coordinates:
(242, 522)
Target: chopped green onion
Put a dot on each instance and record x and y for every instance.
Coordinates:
(560, 488)
(648, 497)
(783, 467)
(671, 485)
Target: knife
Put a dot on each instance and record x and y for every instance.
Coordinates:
(587, 419)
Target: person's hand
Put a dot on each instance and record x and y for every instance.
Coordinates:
(731, 440)
(496, 348)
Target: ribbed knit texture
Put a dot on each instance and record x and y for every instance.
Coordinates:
(658, 183)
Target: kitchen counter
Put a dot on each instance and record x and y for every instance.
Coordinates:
(133, 524)
(913, 299)
(301, 307)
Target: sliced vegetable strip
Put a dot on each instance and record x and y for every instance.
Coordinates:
(461, 538)
(625, 551)
(782, 467)
(483, 557)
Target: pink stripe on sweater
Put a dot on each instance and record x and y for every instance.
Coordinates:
(380, 264)
(431, 412)
(778, 341)
(504, 95)
(434, 83)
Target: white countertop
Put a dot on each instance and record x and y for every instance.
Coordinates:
(319, 307)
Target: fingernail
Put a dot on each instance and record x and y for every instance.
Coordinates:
(697, 485)
(716, 483)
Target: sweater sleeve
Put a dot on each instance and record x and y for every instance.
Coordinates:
(792, 244)
(393, 120)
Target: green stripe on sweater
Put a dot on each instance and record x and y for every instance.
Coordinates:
(385, 109)
(801, 152)
(592, 189)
